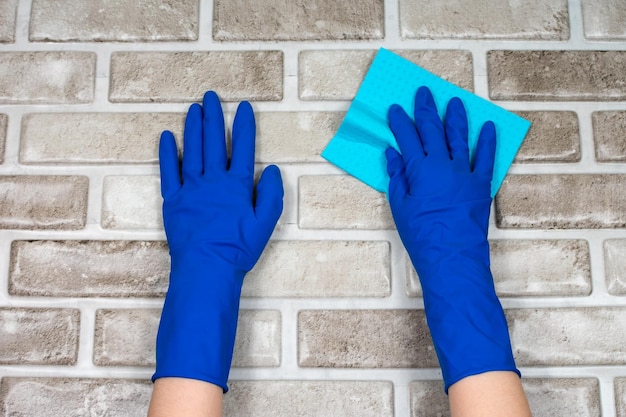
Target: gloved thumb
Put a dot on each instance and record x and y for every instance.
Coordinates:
(269, 195)
(398, 184)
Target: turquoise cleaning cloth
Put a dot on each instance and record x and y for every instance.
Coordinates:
(359, 145)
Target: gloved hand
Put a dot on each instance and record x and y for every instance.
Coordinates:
(217, 224)
(440, 203)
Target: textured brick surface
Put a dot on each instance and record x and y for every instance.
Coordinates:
(328, 202)
(294, 398)
(557, 75)
(298, 20)
(47, 77)
(620, 396)
(337, 75)
(59, 397)
(553, 137)
(117, 20)
(568, 336)
(294, 136)
(609, 136)
(547, 397)
(604, 19)
(8, 9)
(364, 339)
(615, 265)
(157, 76)
(43, 202)
(562, 201)
(38, 336)
(126, 337)
(321, 269)
(484, 19)
(89, 268)
(3, 135)
(95, 138)
(132, 202)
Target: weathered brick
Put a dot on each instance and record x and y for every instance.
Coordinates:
(485, 19)
(329, 201)
(547, 397)
(116, 20)
(557, 75)
(8, 11)
(125, 337)
(337, 75)
(604, 19)
(236, 20)
(132, 202)
(562, 201)
(608, 135)
(3, 135)
(309, 398)
(61, 397)
(157, 76)
(294, 136)
(47, 77)
(321, 269)
(89, 268)
(364, 339)
(568, 336)
(43, 202)
(553, 137)
(38, 336)
(95, 138)
(615, 265)
(620, 396)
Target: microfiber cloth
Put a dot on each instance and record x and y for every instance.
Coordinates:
(359, 145)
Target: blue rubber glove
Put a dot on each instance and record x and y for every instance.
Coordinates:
(217, 224)
(440, 204)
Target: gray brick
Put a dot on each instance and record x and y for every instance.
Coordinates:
(557, 75)
(8, 11)
(89, 268)
(329, 201)
(157, 76)
(321, 269)
(62, 397)
(132, 202)
(236, 20)
(532, 268)
(43, 202)
(47, 77)
(620, 396)
(604, 19)
(309, 399)
(609, 137)
(557, 397)
(116, 20)
(95, 138)
(337, 75)
(38, 336)
(484, 19)
(586, 201)
(568, 336)
(364, 339)
(3, 135)
(553, 137)
(615, 265)
(294, 136)
(125, 337)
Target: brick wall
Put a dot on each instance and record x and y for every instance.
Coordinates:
(332, 320)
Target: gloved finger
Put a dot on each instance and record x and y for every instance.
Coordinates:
(485, 150)
(269, 196)
(192, 155)
(169, 165)
(429, 126)
(404, 131)
(456, 132)
(398, 184)
(244, 132)
(213, 134)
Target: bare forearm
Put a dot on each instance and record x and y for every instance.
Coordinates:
(180, 397)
